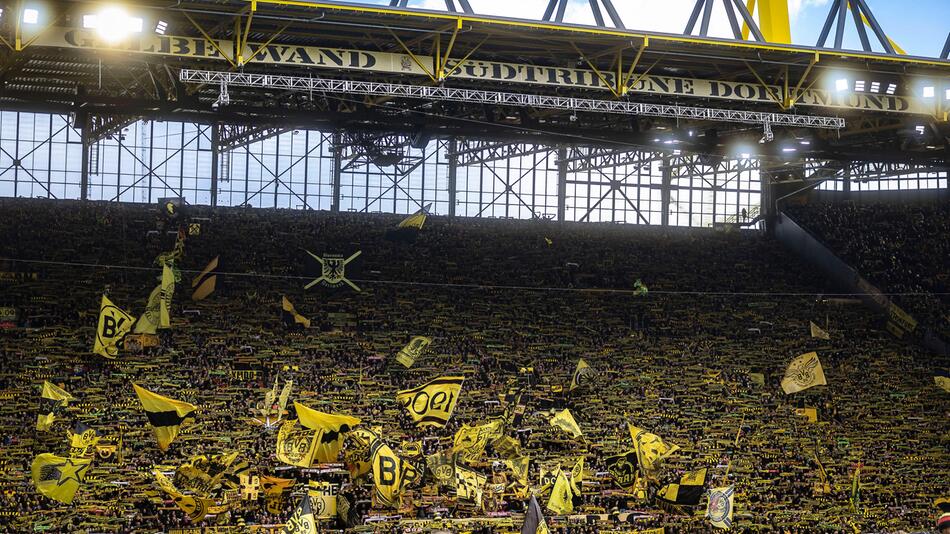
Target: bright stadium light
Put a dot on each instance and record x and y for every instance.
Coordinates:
(946, 94)
(161, 27)
(929, 91)
(112, 23)
(859, 86)
(841, 84)
(891, 88)
(31, 16)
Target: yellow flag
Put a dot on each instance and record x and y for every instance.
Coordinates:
(562, 495)
(44, 421)
(816, 331)
(804, 372)
(58, 478)
(565, 421)
(942, 379)
(275, 493)
(296, 446)
(323, 497)
(413, 350)
(196, 508)
(388, 472)
(55, 393)
(301, 521)
(719, 510)
(113, 325)
(469, 485)
(204, 284)
(582, 375)
(416, 220)
(290, 315)
(577, 476)
(330, 431)
(688, 492)
(165, 415)
(810, 413)
(519, 466)
(168, 290)
(651, 450)
(470, 441)
(431, 404)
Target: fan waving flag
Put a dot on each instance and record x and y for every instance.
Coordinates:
(417, 219)
(113, 325)
(719, 510)
(204, 284)
(431, 404)
(290, 316)
(58, 478)
(165, 415)
(804, 372)
(582, 374)
(688, 492)
(301, 521)
(330, 431)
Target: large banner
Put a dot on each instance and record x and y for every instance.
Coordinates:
(394, 63)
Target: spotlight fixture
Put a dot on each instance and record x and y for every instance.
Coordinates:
(31, 16)
(842, 84)
(161, 27)
(875, 87)
(859, 86)
(920, 129)
(112, 23)
(929, 91)
(891, 88)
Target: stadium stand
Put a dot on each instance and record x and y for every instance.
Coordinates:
(693, 353)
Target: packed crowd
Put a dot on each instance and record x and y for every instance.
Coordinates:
(695, 358)
(903, 249)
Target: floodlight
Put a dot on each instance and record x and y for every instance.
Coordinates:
(31, 16)
(112, 23)
(161, 27)
(929, 91)
(875, 87)
(947, 94)
(891, 88)
(859, 85)
(842, 84)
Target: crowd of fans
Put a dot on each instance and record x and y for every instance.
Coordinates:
(696, 359)
(901, 248)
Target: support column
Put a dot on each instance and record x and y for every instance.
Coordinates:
(335, 143)
(84, 167)
(561, 182)
(453, 175)
(215, 162)
(846, 181)
(666, 168)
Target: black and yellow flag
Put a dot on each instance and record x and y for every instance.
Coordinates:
(413, 350)
(416, 220)
(202, 474)
(296, 446)
(290, 316)
(196, 508)
(688, 492)
(577, 476)
(817, 331)
(519, 466)
(54, 399)
(533, 519)
(856, 490)
(623, 469)
(113, 325)
(82, 441)
(561, 501)
(330, 428)
(58, 478)
(388, 473)
(470, 441)
(565, 421)
(302, 520)
(158, 309)
(431, 404)
(165, 415)
(469, 485)
(442, 467)
(275, 491)
(804, 372)
(204, 284)
(582, 375)
(323, 496)
(651, 449)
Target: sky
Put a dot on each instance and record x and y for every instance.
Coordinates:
(920, 27)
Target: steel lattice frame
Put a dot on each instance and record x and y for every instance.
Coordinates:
(298, 83)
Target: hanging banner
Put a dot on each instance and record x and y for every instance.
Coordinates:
(395, 63)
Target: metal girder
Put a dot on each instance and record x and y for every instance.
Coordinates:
(582, 159)
(862, 16)
(449, 5)
(485, 151)
(557, 8)
(945, 54)
(880, 171)
(103, 127)
(511, 99)
(382, 150)
(705, 7)
(233, 136)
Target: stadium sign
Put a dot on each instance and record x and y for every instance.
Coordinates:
(396, 63)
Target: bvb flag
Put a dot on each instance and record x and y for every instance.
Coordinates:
(204, 284)
(388, 471)
(413, 350)
(54, 398)
(688, 492)
(533, 519)
(719, 509)
(856, 490)
(816, 331)
(290, 315)
(431, 404)
(582, 375)
(168, 290)
(324, 499)
(113, 325)
(58, 478)
(565, 421)
(165, 415)
(469, 485)
(651, 449)
(301, 521)
(561, 501)
(296, 446)
(330, 428)
(623, 469)
(804, 372)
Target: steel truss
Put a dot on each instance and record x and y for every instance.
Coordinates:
(486, 151)
(298, 83)
(881, 171)
(580, 159)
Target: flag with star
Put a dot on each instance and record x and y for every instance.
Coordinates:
(58, 478)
